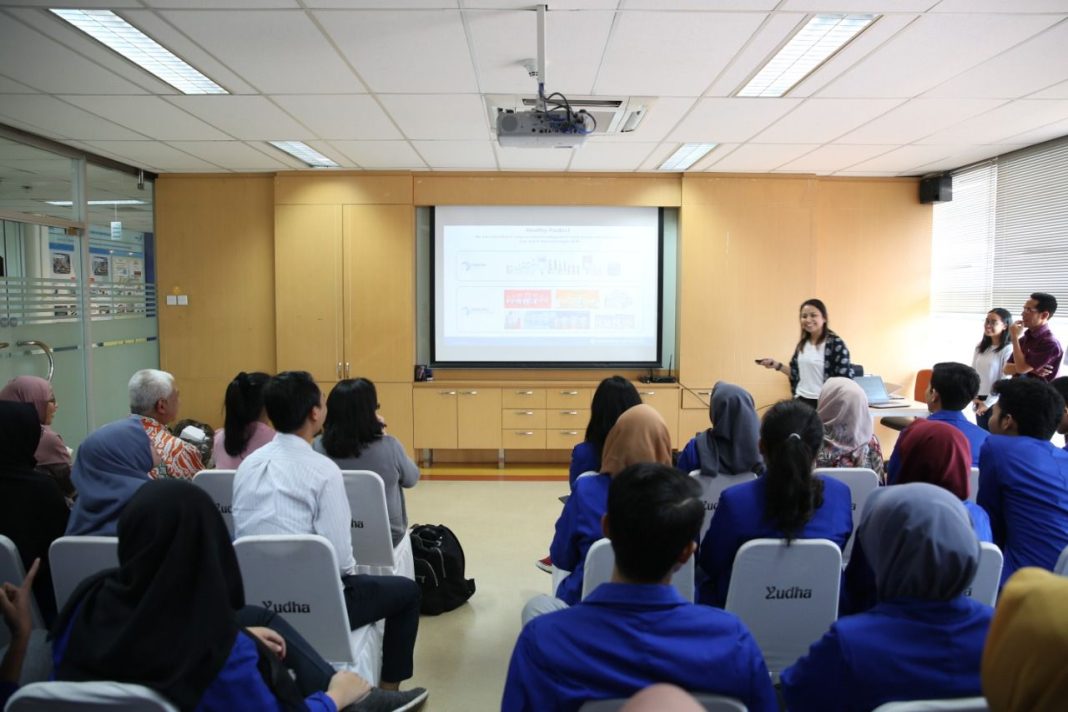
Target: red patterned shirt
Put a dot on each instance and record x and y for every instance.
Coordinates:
(178, 459)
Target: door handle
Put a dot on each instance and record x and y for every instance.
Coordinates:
(47, 352)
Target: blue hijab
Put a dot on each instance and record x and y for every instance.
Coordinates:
(111, 466)
(730, 446)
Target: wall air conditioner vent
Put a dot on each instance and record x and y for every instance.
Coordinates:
(614, 115)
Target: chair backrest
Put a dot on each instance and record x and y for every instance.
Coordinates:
(923, 379)
(861, 482)
(219, 484)
(601, 559)
(712, 488)
(984, 586)
(1061, 567)
(11, 571)
(372, 543)
(962, 704)
(973, 484)
(711, 703)
(100, 696)
(787, 594)
(297, 575)
(76, 558)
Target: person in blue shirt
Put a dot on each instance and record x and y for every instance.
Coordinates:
(637, 629)
(1023, 477)
(613, 396)
(924, 639)
(729, 447)
(788, 502)
(953, 388)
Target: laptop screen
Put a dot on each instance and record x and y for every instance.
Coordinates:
(873, 388)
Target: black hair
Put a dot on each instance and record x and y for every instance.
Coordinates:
(289, 398)
(986, 342)
(613, 396)
(242, 407)
(1035, 405)
(1045, 302)
(957, 384)
(351, 419)
(1061, 386)
(791, 434)
(818, 303)
(654, 511)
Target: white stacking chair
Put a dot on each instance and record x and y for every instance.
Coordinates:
(973, 484)
(711, 703)
(984, 587)
(298, 575)
(1061, 567)
(12, 571)
(219, 484)
(98, 696)
(601, 559)
(372, 542)
(962, 704)
(712, 488)
(806, 574)
(861, 482)
(76, 558)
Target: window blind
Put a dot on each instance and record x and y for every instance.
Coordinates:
(962, 249)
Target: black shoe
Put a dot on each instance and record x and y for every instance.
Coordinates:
(379, 700)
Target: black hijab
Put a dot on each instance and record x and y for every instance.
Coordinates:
(165, 617)
(18, 441)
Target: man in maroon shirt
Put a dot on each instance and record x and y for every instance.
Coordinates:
(1037, 353)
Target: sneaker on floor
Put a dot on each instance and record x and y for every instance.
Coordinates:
(379, 700)
(545, 564)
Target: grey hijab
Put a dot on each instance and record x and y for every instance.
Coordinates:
(919, 541)
(730, 447)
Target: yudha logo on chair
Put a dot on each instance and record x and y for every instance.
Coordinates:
(287, 607)
(774, 592)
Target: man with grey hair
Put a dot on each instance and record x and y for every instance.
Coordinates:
(154, 400)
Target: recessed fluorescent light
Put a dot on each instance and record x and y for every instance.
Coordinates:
(109, 29)
(98, 202)
(810, 47)
(687, 155)
(303, 152)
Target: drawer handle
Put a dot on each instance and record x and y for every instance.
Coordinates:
(469, 393)
(524, 433)
(447, 393)
(569, 432)
(524, 393)
(524, 412)
(648, 393)
(569, 393)
(569, 412)
(703, 393)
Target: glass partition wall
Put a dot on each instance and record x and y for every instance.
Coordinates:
(77, 283)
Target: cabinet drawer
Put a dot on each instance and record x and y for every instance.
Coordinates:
(533, 439)
(568, 397)
(563, 439)
(523, 397)
(567, 419)
(699, 398)
(523, 419)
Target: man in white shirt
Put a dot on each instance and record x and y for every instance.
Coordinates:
(285, 487)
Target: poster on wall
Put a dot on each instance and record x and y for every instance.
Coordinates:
(61, 264)
(101, 267)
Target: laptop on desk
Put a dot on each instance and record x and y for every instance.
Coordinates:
(875, 390)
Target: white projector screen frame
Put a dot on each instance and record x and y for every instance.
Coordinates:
(545, 286)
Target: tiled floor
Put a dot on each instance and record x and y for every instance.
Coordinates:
(504, 526)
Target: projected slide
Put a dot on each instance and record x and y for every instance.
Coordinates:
(549, 285)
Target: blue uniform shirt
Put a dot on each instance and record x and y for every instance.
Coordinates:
(578, 527)
(624, 637)
(1023, 486)
(584, 458)
(976, 437)
(740, 517)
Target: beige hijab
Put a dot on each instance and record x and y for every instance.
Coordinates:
(639, 435)
(843, 408)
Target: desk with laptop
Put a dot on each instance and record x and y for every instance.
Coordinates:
(883, 405)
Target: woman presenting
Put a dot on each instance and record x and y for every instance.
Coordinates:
(820, 354)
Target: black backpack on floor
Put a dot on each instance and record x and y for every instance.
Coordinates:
(439, 569)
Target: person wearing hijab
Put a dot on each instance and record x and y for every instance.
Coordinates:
(113, 463)
(33, 512)
(729, 447)
(1023, 662)
(150, 622)
(924, 639)
(848, 438)
(53, 458)
(788, 502)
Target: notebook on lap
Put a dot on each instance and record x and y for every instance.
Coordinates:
(875, 390)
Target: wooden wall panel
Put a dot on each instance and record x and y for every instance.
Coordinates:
(343, 188)
(546, 189)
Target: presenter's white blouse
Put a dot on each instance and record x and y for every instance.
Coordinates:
(991, 367)
(810, 370)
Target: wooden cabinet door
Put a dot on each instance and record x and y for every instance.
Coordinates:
(396, 402)
(479, 418)
(666, 402)
(379, 279)
(307, 287)
(435, 417)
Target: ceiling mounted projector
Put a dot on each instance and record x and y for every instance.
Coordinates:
(542, 129)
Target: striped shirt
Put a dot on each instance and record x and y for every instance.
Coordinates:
(178, 458)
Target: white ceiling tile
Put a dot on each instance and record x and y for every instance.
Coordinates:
(1057, 91)
(833, 158)
(533, 159)
(822, 120)
(10, 86)
(575, 42)
(223, 4)
(867, 42)
(730, 120)
(374, 155)
(933, 49)
(918, 118)
(154, 156)
(752, 56)
(706, 5)
(671, 53)
(878, 6)
(457, 155)
(611, 156)
(381, 4)
(151, 115)
(48, 113)
(905, 158)
(236, 155)
(250, 118)
(340, 116)
(1003, 122)
(963, 156)
(755, 157)
(658, 156)
(1000, 6)
(438, 117)
(524, 5)
(300, 59)
(405, 51)
(868, 174)
(110, 4)
(326, 148)
(1040, 135)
